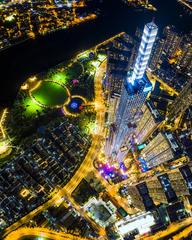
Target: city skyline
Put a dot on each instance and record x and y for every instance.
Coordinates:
(95, 129)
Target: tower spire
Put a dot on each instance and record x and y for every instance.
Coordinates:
(147, 41)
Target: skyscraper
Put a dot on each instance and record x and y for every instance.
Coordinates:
(184, 61)
(168, 187)
(147, 41)
(160, 149)
(140, 197)
(181, 103)
(156, 54)
(134, 94)
(172, 41)
(181, 185)
(148, 123)
(161, 190)
(118, 60)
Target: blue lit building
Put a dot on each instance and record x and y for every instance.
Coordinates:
(135, 91)
(147, 41)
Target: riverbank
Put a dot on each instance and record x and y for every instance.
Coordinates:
(33, 56)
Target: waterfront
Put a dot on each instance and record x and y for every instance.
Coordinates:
(33, 56)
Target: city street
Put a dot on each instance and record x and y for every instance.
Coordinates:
(171, 229)
(40, 232)
(87, 164)
(155, 78)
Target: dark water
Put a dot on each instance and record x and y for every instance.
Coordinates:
(21, 61)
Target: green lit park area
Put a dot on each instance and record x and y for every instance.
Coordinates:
(50, 94)
(64, 91)
(60, 77)
(64, 75)
(31, 108)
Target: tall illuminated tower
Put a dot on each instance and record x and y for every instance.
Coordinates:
(147, 41)
(134, 94)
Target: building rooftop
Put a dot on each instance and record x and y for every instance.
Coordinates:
(141, 85)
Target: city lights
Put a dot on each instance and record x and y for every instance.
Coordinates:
(95, 128)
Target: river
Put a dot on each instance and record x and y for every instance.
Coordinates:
(33, 56)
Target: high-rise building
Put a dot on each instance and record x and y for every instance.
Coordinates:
(168, 187)
(109, 140)
(147, 41)
(160, 149)
(156, 191)
(112, 107)
(156, 54)
(162, 188)
(118, 61)
(140, 197)
(135, 197)
(184, 61)
(148, 123)
(129, 111)
(181, 103)
(186, 172)
(134, 94)
(172, 40)
(178, 182)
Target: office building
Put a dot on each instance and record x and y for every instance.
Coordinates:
(172, 40)
(156, 191)
(118, 61)
(186, 172)
(148, 123)
(156, 54)
(147, 41)
(184, 60)
(161, 190)
(140, 197)
(181, 185)
(181, 103)
(160, 149)
(134, 94)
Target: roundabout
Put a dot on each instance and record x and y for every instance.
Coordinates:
(50, 94)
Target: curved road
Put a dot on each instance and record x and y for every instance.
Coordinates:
(87, 164)
(41, 232)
